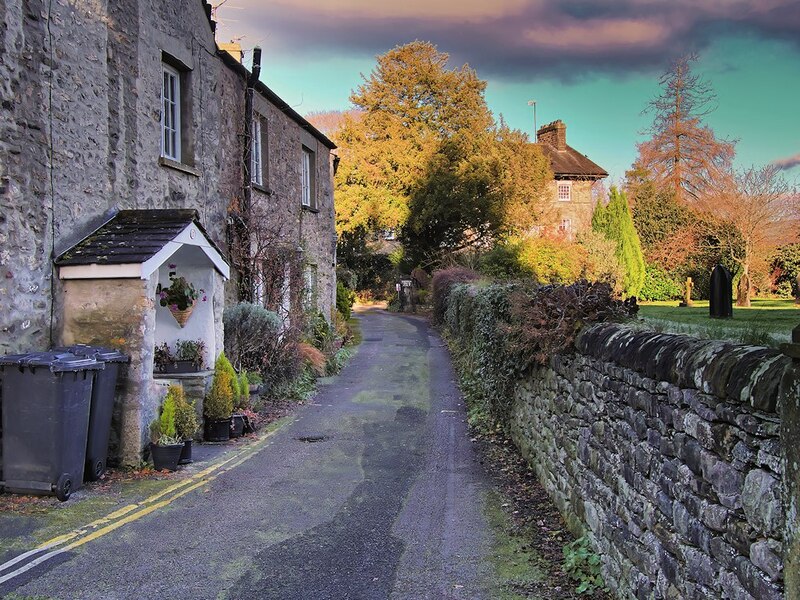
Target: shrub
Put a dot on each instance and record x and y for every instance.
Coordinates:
(552, 260)
(244, 391)
(185, 416)
(313, 358)
(344, 299)
(601, 262)
(318, 332)
(249, 328)
(167, 419)
(503, 262)
(440, 287)
(219, 403)
(658, 285)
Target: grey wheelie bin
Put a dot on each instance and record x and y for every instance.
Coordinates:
(46, 399)
(103, 395)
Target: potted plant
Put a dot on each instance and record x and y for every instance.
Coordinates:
(254, 381)
(179, 296)
(165, 446)
(192, 351)
(162, 358)
(218, 405)
(185, 422)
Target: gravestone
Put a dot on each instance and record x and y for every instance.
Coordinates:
(720, 305)
(687, 296)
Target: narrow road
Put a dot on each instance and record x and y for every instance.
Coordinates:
(373, 492)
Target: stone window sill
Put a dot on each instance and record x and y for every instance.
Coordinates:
(178, 166)
(263, 189)
(311, 209)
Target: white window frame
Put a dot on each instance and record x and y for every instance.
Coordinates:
(256, 156)
(567, 185)
(566, 225)
(170, 113)
(310, 287)
(307, 198)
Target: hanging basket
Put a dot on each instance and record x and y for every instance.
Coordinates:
(182, 316)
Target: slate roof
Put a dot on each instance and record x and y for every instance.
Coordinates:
(132, 236)
(571, 164)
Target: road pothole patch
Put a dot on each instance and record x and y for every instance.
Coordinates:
(311, 438)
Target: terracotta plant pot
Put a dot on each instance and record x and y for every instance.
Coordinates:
(165, 457)
(217, 431)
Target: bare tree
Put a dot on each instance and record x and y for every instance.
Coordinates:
(683, 154)
(762, 212)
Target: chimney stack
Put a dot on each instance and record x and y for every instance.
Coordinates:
(554, 134)
(232, 48)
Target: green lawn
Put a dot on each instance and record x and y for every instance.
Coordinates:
(766, 322)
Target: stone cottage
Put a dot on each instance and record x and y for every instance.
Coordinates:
(574, 175)
(118, 115)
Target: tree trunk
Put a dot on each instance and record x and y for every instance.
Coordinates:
(743, 289)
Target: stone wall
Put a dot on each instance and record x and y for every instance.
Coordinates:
(666, 450)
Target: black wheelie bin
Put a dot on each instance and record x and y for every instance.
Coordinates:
(46, 400)
(103, 396)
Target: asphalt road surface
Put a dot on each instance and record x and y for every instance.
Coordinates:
(373, 492)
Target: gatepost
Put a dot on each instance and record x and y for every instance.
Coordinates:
(789, 403)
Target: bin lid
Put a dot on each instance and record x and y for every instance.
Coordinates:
(57, 362)
(97, 352)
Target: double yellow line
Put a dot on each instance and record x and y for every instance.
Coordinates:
(127, 514)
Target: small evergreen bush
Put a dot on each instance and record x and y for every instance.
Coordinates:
(219, 403)
(250, 330)
(185, 416)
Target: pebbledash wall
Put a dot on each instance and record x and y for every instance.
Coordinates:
(666, 451)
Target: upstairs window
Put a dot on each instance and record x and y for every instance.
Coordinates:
(171, 114)
(564, 191)
(256, 164)
(308, 191)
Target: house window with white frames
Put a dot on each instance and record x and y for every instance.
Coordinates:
(564, 191)
(256, 165)
(566, 226)
(171, 114)
(307, 188)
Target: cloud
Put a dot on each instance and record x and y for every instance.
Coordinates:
(784, 164)
(514, 39)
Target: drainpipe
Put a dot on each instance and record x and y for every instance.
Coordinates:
(246, 291)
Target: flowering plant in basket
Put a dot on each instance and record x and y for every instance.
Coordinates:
(180, 294)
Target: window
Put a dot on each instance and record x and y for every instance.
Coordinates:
(171, 114)
(256, 168)
(565, 191)
(309, 199)
(566, 225)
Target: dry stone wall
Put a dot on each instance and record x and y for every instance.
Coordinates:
(666, 450)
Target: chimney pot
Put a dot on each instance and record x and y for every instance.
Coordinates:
(554, 134)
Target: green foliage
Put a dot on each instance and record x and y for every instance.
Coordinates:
(551, 260)
(658, 285)
(193, 350)
(344, 299)
(318, 332)
(658, 216)
(338, 360)
(600, 260)
(185, 415)
(224, 390)
(360, 252)
(615, 223)
(441, 283)
(500, 332)
(409, 103)
(249, 330)
(582, 564)
(244, 391)
(786, 267)
(503, 262)
(167, 418)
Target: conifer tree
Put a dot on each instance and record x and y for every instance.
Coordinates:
(614, 221)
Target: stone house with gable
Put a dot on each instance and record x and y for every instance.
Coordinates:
(118, 118)
(574, 175)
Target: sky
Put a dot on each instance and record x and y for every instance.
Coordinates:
(594, 64)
